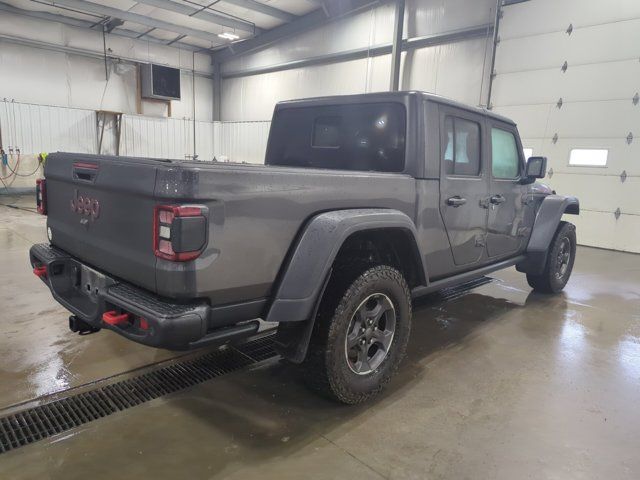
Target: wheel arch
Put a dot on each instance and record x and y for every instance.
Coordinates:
(326, 238)
(546, 223)
(322, 240)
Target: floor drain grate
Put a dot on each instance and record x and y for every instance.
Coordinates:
(36, 423)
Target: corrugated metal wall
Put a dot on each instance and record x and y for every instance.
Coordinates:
(157, 137)
(41, 128)
(589, 103)
(241, 141)
(172, 138)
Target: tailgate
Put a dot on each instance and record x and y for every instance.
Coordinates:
(100, 210)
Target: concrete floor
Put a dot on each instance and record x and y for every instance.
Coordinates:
(500, 383)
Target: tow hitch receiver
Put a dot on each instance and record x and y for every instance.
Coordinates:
(114, 318)
(77, 325)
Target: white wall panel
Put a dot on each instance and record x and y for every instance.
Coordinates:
(19, 26)
(38, 128)
(254, 97)
(597, 112)
(456, 70)
(156, 137)
(241, 141)
(31, 74)
(368, 28)
(429, 17)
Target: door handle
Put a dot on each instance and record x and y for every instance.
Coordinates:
(456, 201)
(497, 200)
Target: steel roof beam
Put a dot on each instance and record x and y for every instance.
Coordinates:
(264, 9)
(136, 18)
(76, 22)
(202, 14)
(479, 31)
(312, 20)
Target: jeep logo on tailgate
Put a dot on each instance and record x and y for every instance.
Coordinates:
(85, 205)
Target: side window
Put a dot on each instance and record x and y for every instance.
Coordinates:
(462, 150)
(326, 132)
(505, 160)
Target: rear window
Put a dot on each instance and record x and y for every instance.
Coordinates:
(347, 137)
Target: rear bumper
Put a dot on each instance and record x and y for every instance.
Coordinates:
(151, 320)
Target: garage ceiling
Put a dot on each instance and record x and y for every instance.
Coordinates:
(192, 24)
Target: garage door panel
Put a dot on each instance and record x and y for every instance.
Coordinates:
(578, 84)
(531, 119)
(605, 119)
(527, 88)
(596, 112)
(594, 229)
(584, 46)
(543, 16)
(594, 120)
(621, 156)
(598, 192)
(535, 144)
(599, 229)
(543, 51)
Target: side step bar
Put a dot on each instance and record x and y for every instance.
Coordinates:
(464, 277)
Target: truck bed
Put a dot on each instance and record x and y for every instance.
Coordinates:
(255, 214)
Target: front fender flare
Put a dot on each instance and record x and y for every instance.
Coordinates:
(307, 270)
(548, 218)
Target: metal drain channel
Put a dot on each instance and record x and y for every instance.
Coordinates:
(51, 418)
(43, 421)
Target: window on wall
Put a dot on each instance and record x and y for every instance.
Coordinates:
(505, 159)
(462, 151)
(588, 157)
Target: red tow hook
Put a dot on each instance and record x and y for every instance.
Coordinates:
(40, 272)
(114, 318)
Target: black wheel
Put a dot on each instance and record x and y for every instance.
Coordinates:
(361, 333)
(557, 270)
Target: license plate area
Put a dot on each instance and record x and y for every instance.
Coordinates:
(89, 282)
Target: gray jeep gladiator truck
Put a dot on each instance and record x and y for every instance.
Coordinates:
(364, 203)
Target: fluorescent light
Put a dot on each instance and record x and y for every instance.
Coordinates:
(229, 36)
(588, 157)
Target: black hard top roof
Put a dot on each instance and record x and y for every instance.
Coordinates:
(386, 97)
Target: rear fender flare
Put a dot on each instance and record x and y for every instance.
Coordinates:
(309, 265)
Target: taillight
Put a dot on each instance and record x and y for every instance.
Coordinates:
(41, 196)
(179, 231)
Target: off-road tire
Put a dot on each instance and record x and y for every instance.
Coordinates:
(550, 280)
(326, 366)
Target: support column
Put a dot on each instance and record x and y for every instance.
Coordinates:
(396, 50)
(217, 92)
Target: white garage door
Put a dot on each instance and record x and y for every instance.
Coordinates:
(568, 72)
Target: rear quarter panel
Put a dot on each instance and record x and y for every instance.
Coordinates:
(256, 214)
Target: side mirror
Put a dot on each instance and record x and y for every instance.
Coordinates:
(536, 168)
